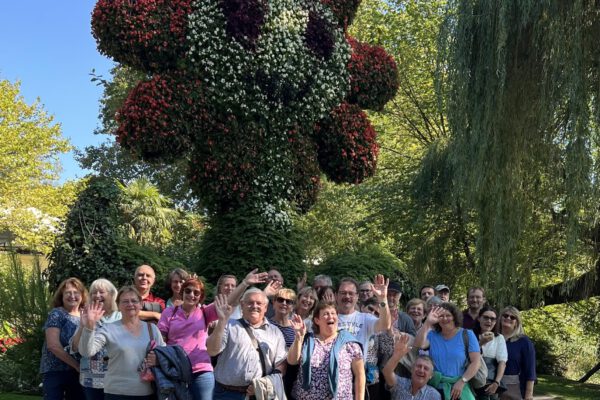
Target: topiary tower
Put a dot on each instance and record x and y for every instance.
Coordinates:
(260, 96)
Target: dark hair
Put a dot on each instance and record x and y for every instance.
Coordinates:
(371, 301)
(456, 314)
(129, 289)
(426, 286)
(195, 282)
(317, 313)
(348, 280)
(322, 290)
(477, 328)
(177, 271)
(57, 299)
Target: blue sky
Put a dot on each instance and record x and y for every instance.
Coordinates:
(47, 45)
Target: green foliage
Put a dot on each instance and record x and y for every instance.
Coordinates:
(239, 241)
(363, 263)
(565, 389)
(24, 306)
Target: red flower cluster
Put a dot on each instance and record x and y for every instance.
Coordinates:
(146, 34)
(6, 343)
(373, 76)
(344, 10)
(160, 116)
(347, 149)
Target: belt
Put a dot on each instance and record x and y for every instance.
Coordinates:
(239, 389)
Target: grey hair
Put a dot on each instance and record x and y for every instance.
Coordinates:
(252, 291)
(325, 278)
(109, 287)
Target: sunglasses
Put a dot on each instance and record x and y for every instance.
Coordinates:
(508, 316)
(195, 292)
(373, 310)
(487, 318)
(286, 301)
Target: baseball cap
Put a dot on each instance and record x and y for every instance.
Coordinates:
(395, 286)
(439, 288)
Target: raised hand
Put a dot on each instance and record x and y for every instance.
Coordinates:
(298, 325)
(254, 278)
(301, 282)
(329, 297)
(380, 286)
(272, 288)
(224, 310)
(401, 344)
(434, 315)
(91, 314)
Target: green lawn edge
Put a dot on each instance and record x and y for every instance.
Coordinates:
(565, 389)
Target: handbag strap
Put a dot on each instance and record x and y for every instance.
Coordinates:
(150, 331)
(255, 343)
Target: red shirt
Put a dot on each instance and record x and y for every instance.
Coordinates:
(153, 299)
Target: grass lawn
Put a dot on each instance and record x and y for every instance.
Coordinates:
(564, 389)
(11, 396)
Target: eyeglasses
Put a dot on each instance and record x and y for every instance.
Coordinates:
(351, 294)
(364, 290)
(195, 292)
(286, 301)
(508, 316)
(132, 302)
(487, 318)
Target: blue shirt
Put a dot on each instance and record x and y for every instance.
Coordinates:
(521, 360)
(449, 354)
(67, 324)
(402, 390)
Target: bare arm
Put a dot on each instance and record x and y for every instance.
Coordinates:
(400, 350)
(224, 310)
(529, 390)
(380, 289)
(467, 375)
(252, 278)
(432, 319)
(54, 346)
(358, 370)
(149, 315)
(293, 356)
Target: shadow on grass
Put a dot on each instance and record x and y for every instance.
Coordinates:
(565, 389)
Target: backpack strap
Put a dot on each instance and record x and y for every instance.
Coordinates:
(255, 343)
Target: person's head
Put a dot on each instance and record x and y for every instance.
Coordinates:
(254, 305)
(426, 292)
(104, 292)
(321, 281)
(415, 308)
(431, 302)
(325, 319)
(129, 301)
(307, 300)
(475, 298)
(443, 292)
(511, 324)
(144, 278)
(422, 371)
(325, 290)
(450, 317)
(370, 306)
(365, 291)
(175, 281)
(394, 293)
(226, 284)
(285, 300)
(70, 294)
(347, 296)
(486, 321)
(192, 292)
(274, 275)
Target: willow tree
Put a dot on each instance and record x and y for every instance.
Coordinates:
(523, 109)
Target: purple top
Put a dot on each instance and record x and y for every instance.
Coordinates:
(319, 364)
(189, 332)
(521, 360)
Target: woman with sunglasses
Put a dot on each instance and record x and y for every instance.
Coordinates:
(493, 349)
(519, 375)
(284, 301)
(187, 326)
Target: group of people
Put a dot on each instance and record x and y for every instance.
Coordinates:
(316, 342)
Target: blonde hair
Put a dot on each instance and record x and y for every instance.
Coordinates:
(286, 292)
(57, 299)
(110, 288)
(518, 331)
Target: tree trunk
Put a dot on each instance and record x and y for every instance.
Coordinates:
(589, 373)
(577, 289)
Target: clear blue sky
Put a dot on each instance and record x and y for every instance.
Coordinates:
(48, 46)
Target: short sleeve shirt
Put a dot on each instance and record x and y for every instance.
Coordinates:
(449, 354)
(361, 325)
(67, 324)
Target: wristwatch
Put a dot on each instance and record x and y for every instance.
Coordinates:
(382, 304)
(465, 380)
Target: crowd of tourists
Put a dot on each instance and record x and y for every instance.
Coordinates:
(262, 340)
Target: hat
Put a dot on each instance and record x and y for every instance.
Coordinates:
(395, 287)
(439, 288)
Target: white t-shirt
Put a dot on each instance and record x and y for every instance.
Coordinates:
(496, 348)
(361, 325)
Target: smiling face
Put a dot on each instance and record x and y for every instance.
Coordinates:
(305, 303)
(422, 372)
(487, 321)
(426, 293)
(346, 298)
(509, 322)
(191, 296)
(365, 291)
(416, 313)
(102, 296)
(176, 283)
(227, 286)
(475, 299)
(71, 297)
(284, 304)
(254, 307)
(144, 279)
(446, 320)
(129, 305)
(327, 321)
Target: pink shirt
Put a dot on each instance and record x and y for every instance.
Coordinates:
(189, 332)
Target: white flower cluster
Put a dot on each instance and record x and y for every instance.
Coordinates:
(280, 79)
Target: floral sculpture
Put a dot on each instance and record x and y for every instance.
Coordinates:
(260, 96)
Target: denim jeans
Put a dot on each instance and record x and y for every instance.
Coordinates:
(202, 386)
(59, 385)
(221, 394)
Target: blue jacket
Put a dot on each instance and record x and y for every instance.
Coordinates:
(333, 374)
(173, 373)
